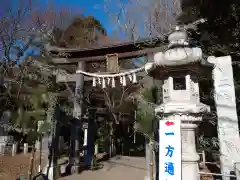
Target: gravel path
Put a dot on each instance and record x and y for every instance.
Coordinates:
(122, 168)
(12, 167)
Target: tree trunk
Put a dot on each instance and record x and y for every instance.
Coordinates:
(147, 151)
(149, 160)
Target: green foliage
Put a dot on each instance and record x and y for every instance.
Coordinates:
(222, 17)
(150, 94)
(44, 127)
(219, 36)
(145, 109)
(32, 94)
(145, 117)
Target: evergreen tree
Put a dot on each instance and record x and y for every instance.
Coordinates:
(220, 34)
(147, 99)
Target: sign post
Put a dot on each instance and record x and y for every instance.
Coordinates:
(170, 161)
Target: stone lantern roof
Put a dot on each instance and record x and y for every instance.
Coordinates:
(179, 57)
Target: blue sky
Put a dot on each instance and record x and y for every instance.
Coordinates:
(89, 7)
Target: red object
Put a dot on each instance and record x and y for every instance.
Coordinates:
(169, 123)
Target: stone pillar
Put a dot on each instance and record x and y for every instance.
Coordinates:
(38, 145)
(147, 155)
(14, 149)
(96, 149)
(25, 148)
(2, 148)
(190, 157)
(228, 129)
(44, 152)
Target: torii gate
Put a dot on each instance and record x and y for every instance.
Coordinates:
(79, 60)
(222, 75)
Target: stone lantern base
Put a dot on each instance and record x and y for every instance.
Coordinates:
(190, 115)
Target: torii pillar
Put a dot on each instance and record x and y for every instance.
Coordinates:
(74, 158)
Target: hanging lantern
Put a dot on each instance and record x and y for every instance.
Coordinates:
(94, 84)
(113, 82)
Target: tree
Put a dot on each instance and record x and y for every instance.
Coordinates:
(133, 20)
(114, 103)
(82, 32)
(25, 81)
(22, 37)
(147, 99)
(222, 17)
(27, 71)
(16, 42)
(24, 32)
(218, 36)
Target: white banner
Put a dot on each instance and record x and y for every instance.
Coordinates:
(170, 165)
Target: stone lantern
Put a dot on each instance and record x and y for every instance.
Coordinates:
(180, 68)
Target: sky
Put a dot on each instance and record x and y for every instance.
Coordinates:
(86, 7)
(89, 7)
